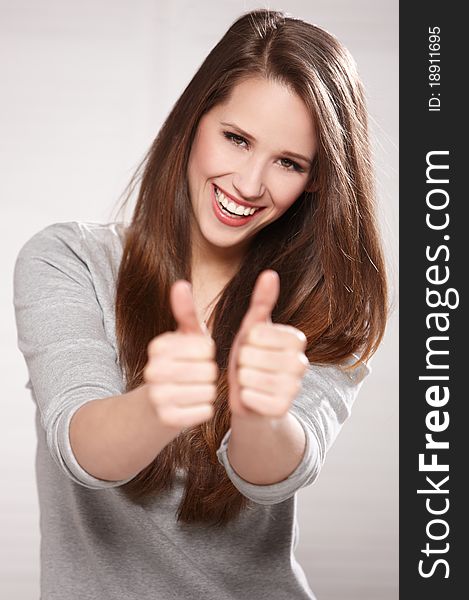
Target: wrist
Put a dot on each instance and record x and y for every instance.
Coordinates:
(254, 421)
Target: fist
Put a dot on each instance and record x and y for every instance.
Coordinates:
(267, 361)
(271, 366)
(181, 371)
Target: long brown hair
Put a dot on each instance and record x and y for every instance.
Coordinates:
(325, 247)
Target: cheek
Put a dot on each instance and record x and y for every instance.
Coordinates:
(218, 159)
(210, 157)
(286, 193)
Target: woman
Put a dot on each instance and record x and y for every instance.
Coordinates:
(176, 422)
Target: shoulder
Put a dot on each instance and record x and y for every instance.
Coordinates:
(349, 373)
(79, 251)
(339, 383)
(73, 244)
(77, 236)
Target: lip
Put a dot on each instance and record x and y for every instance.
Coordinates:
(225, 219)
(242, 202)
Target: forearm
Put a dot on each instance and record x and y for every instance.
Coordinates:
(115, 438)
(264, 451)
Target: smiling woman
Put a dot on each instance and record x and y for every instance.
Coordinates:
(171, 444)
(248, 165)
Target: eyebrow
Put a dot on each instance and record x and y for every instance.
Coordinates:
(253, 139)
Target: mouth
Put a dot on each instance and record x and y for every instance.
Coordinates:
(230, 212)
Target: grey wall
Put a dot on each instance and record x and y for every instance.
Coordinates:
(85, 86)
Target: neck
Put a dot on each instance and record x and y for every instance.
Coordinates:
(213, 263)
(211, 269)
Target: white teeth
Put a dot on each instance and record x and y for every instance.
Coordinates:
(232, 206)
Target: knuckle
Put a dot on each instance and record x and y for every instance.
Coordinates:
(153, 371)
(245, 394)
(282, 406)
(299, 336)
(243, 376)
(210, 343)
(209, 411)
(303, 339)
(204, 344)
(212, 392)
(205, 414)
(287, 384)
(152, 346)
(158, 344)
(147, 373)
(213, 371)
(245, 355)
(295, 387)
(302, 363)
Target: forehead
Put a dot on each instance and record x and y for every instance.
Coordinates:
(271, 112)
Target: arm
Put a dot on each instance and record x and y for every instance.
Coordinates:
(321, 408)
(115, 438)
(278, 446)
(76, 380)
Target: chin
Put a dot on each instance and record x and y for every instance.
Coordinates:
(225, 240)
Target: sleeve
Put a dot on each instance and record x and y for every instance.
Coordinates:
(322, 406)
(60, 332)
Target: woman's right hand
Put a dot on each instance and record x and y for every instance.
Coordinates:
(181, 371)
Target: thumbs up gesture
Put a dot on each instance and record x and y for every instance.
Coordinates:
(181, 371)
(267, 361)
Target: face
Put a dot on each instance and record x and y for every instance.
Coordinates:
(251, 156)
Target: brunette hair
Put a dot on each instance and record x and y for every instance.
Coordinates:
(325, 247)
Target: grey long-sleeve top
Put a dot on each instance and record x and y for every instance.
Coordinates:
(96, 544)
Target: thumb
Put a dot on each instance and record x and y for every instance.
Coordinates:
(183, 308)
(263, 299)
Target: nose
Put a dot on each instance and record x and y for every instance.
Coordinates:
(247, 181)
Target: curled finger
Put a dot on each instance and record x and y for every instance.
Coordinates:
(182, 394)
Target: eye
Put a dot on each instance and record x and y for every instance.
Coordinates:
(290, 165)
(236, 139)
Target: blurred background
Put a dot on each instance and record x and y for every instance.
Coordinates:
(85, 88)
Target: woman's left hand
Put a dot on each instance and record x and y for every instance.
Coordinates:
(267, 361)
